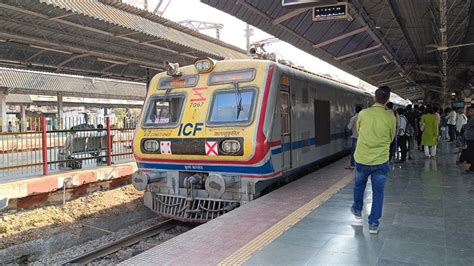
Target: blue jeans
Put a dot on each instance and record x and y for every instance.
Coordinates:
(378, 175)
(353, 148)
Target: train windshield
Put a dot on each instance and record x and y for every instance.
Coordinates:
(164, 111)
(225, 107)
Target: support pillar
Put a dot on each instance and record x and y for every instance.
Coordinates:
(60, 113)
(3, 110)
(23, 118)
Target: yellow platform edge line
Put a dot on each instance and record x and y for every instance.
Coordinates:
(244, 253)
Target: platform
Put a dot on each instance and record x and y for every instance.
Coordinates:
(31, 191)
(428, 219)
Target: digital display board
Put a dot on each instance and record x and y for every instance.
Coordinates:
(330, 12)
(231, 76)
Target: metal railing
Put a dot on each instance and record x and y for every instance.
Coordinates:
(44, 151)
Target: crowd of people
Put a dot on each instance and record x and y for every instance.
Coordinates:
(381, 135)
(420, 127)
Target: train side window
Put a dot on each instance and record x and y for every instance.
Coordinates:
(164, 111)
(322, 122)
(305, 95)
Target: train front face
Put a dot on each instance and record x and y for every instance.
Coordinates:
(201, 138)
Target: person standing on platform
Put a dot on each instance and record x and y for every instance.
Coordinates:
(376, 127)
(352, 126)
(469, 137)
(402, 135)
(393, 145)
(461, 120)
(451, 120)
(429, 125)
(412, 121)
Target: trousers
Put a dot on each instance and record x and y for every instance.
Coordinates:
(378, 175)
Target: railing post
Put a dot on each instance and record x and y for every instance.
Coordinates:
(109, 141)
(44, 145)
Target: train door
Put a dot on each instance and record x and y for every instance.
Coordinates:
(285, 117)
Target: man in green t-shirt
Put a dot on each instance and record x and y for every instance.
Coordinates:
(376, 127)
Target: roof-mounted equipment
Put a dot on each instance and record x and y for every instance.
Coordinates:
(172, 69)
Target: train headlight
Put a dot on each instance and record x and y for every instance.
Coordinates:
(151, 145)
(204, 65)
(231, 146)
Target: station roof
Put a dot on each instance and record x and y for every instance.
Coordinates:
(419, 48)
(103, 38)
(18, 81)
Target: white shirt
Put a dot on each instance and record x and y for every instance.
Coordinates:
(461, 120)
(402, 125)
(352, 126)
(451, 118)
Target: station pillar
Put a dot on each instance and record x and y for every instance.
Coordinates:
(3, 110)
(23, 118)
(60, 113)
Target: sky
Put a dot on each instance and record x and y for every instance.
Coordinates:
(233, 33)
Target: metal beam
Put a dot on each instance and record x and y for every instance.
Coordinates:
(358, 52)
(76, 50)
(341, 37)
(72, 69)
(69, 23)
(72, 58)
(35, 55)
(289, 15)
(365, 56)
(388, 81)
(383, 73)
(372, 66)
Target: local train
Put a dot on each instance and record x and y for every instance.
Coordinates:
(215, 135)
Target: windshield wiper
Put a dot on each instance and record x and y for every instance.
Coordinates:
(238, 99)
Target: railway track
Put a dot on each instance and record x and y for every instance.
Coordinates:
(127, 241)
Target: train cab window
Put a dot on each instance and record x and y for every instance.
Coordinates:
(164, 111)
(322, 122)
(231, 107)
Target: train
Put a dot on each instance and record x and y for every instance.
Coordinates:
(217, 134)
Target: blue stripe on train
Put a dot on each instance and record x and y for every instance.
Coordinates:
(266, 168)
(307, 142)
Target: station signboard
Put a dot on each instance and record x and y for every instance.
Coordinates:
(331, 12)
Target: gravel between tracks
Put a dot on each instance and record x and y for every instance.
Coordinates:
(37, 235)
(120, 255)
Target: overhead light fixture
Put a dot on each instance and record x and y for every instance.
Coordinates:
(386, 58)
(50, 49)
(401, 74)
(453, 94)
(111, 61)
(377, 27)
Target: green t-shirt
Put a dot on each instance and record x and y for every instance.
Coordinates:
(377, 129)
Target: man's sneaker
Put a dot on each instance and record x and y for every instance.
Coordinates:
(373, 229)
(357, 214)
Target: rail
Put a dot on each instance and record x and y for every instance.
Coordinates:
(43, 151)
(112, 247)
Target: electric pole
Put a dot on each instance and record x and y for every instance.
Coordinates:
(248, 32)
